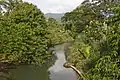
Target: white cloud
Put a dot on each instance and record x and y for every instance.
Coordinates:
(56, 6)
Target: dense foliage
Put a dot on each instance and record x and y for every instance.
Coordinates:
(23, 35)
(56, 31)
(95, 52)
(26, 35)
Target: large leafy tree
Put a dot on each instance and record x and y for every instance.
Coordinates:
(23, 35)
(88, 11)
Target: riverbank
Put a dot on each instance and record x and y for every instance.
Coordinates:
(52, 70)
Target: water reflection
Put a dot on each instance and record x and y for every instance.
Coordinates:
(45, 72)
(4, 70)
(58, 72)
(30, 72)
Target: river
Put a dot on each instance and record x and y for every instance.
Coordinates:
(55, 72)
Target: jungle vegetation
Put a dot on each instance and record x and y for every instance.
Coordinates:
(26, 35)
(96, 49)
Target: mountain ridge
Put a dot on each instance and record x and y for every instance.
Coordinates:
(56, 16)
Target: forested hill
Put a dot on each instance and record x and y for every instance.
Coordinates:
(56, 16)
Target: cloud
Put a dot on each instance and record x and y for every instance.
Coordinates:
(56, 6)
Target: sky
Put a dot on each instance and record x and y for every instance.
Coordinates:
(56, 6)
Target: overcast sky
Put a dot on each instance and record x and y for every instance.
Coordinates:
(56, 6)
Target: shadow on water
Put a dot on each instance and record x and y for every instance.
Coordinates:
(53, 70)
(30, 72)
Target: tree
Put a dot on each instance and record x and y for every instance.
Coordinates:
(109, 60)
(88, 11)
(97, 33)
(23, 35)
(57, 33)
(8, 5)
